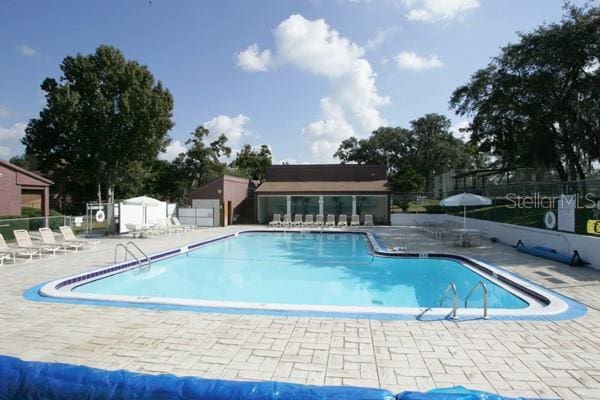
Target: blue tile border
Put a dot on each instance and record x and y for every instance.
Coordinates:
(574, 310)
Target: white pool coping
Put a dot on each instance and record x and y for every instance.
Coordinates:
(60, 288)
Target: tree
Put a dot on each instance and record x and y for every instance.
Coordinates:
(102, 115)
(537, 104)
(201, 162)
(253, 163)
(437, 151)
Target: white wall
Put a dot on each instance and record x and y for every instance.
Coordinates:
(134, 214)
(587, 246)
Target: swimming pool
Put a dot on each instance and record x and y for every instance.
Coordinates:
(304, 271)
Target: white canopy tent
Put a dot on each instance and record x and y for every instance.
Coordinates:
(464, 200)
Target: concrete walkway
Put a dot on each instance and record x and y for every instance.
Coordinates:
(513, 358)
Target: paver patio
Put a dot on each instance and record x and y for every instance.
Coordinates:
(526, 358)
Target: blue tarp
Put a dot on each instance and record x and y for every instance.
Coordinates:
(54, 381)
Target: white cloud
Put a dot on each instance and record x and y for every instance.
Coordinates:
(10, 140)
(352, 106)
(455, 130)
(4, 112)
(26, 50)
(232, 127)
(439, 10)
(410, 60)
(380, 37)
(172, 151)
(252, 59)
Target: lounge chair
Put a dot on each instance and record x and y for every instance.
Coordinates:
(308, 220)
(69, 236)
(172, 227)
(276, 220)
(24, 242)
(318, 220)
(182, 226)
(368, 220)
(48, 238)
(287, 220)
(342, 220)
(330, 220)
(355, 220)
(6, 252)
(297, 220)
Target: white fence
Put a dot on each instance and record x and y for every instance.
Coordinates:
(196, 216)
(139, 215)
(587, 246)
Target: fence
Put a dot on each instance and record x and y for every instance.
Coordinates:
(8, 225)
(197, 216)
(524, 203)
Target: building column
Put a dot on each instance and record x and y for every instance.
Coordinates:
(354, 205)
(321, 201)
(288, 205)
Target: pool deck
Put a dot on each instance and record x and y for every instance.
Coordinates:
(514, 358)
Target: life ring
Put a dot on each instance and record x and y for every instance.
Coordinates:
(550, 220)
(100, 216)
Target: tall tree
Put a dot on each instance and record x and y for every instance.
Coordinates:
(437, 151)
(253, 163)
(537, 104)
(103, 114)
(202, 161)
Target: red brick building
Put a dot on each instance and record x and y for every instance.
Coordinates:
(21, 188)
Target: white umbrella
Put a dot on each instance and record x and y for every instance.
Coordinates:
(464, 200)
(143, 201)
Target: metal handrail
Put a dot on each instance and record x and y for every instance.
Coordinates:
(126, 251)
(485, 297)
(454, 299)
(148, 259)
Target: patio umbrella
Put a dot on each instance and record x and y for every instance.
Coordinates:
(143, 201)
(464, 200)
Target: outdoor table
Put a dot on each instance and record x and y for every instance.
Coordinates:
(465, 233)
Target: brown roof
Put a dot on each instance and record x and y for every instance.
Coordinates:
(30, 174)
(323, 187)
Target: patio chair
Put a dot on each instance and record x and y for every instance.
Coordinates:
(355, 220)
(330, 220)
(276, 221)
(24, 242)
(287, 220)
(174, 228)
(5, 250)
(368, 220)
(48, 238)
(318, 220)
(342, 220)
(308, 220)
(297, 220)
(69, 236)
(182, 226)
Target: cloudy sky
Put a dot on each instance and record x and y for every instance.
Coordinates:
(298, 75)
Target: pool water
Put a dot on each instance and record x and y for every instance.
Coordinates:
(303, 268)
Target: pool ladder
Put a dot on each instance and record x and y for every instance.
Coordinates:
(146, 260)
(452, 287)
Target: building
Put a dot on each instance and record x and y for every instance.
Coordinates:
(324, 189)
(232, 196)
(21, 188)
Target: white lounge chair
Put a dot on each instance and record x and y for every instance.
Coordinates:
(48, 238)
(318, 220)
(276, 221)
(355, 220)
(178, 224)
(368, 220)
(8, 251)
(308, 220)
(287, 220)
(297, 220)
(69, 236)
(330, 220)
(174, 228)
(24, 242)
(342, 220)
